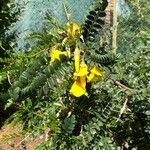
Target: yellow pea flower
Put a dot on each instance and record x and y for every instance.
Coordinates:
(55, 55)
(94, 71)
(90, 77)
(79, 87)
(82, 76)
(73, 29)
(83, 70)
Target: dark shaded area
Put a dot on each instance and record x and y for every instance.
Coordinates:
(134, 131)
(6, 19)
(94, 22)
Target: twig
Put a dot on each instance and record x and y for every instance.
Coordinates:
(67, 14)
(24, 139)
(114, 34)
(122, 86)
(8, 77)
(122, 109)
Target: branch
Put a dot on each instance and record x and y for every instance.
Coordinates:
(8, 77)
(24, 139)
(122, 85)
(122, 109)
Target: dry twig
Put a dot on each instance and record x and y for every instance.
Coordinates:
(122, 109)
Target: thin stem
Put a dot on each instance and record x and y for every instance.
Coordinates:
(123, 109)
(67, 14)
(122, 86)
(114, 33)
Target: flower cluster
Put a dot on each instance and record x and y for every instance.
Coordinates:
(82, 74)
(72, 32)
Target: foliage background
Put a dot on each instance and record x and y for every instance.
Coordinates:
(7, 19)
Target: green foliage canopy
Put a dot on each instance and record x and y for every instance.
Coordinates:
(115, 115)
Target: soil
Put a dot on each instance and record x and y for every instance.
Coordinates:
(14, 143)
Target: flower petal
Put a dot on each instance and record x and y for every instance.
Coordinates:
(78, 88)
(83, 71)
(55, 54)
(77, 59)
(90, 77)
(95, 70)
(83, 81)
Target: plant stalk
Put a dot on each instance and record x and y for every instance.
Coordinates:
(114, 32)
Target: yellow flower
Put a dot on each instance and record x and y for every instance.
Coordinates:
(79, 87)
(55, 55)
(73, 29)
(90, 77)
(81, 75)
(83, 70)
(77, 59)
(94, 71)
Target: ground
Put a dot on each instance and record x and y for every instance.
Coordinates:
(14, 143)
